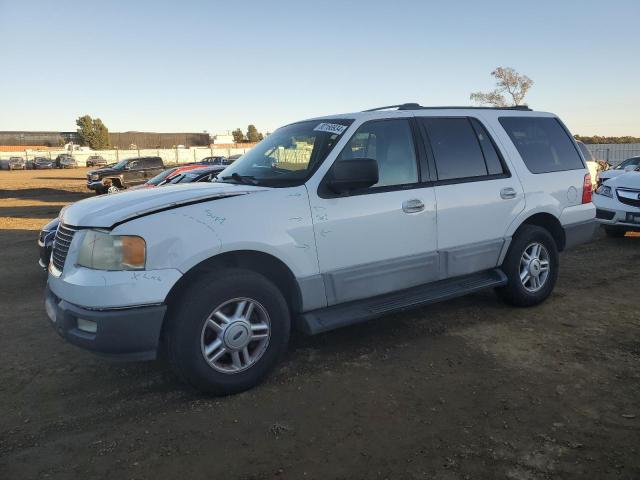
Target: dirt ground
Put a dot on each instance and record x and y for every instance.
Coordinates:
(465, 389)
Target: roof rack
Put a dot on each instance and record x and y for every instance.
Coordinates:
(417, 106)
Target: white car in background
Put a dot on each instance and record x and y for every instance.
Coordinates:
(618, 204)
(629, 165)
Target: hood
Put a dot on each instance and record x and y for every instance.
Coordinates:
(107, 210)
(626, 180)
(607, 174)
(105, 171)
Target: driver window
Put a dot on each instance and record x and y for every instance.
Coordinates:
(390, 143)
(134, 165)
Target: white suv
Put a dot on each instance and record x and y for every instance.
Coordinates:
(327, 222)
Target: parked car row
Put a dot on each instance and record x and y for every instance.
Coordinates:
(116, 179)
(63, 160)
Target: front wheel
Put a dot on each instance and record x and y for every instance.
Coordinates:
(227, 331)
(531, 267)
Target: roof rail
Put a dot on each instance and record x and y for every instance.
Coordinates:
(416, 106)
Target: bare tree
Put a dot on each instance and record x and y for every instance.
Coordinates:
(511, 88)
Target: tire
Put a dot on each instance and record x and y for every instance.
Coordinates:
(615, 232)
(527, 293)
(189, 335)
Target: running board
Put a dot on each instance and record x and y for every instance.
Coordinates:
(350, 313)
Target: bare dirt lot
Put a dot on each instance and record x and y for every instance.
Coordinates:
(465, 389)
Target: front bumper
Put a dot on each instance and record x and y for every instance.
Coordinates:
(95, 185)
(127, 333)
(613, 213)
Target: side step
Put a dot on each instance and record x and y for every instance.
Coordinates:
(337, 316)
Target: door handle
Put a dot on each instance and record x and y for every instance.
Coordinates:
(507, 193)
(412, 206)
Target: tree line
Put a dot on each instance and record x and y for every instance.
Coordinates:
(601, 139)
(252, 135)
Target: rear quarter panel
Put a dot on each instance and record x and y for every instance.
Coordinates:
(552, 192)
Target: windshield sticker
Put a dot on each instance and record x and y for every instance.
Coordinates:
(331, 128)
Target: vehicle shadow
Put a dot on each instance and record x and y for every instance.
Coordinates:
(37, 211)
(82, 177)
(44, 194)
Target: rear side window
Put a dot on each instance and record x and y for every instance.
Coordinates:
(456, 148)
(152, 162)
(491, 156)
(543, 143)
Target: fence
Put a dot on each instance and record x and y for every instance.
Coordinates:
(168, 155)
(614, 153)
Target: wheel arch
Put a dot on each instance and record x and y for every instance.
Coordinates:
(550, 223)
(117, 181)
(263, 263)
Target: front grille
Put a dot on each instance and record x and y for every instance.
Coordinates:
(61, 244)
(604, 214)
(629, 197)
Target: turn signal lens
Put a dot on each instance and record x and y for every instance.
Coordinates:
(133, 252)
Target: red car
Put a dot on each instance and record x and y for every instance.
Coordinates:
(165, 176)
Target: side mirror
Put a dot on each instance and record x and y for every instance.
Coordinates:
(352, 174)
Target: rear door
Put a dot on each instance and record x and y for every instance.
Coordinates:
(477, 196)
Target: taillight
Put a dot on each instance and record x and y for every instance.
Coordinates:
(586, 189)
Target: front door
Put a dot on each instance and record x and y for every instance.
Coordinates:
(383, 238)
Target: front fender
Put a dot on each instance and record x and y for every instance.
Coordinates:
(274, 221)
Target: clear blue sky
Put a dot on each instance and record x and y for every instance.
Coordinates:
(216, 65)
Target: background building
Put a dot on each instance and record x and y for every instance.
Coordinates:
(123, 140)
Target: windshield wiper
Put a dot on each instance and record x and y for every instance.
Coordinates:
(246, 179)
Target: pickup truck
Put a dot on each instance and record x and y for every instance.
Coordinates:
(124, 174)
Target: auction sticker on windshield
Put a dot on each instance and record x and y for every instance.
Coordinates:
(331, 128)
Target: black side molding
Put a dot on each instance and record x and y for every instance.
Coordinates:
(350, 313)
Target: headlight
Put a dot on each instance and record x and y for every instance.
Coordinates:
(102, 251)
(605, 190)
(95, 176)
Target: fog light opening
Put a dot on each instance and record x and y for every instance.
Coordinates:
(88, 326)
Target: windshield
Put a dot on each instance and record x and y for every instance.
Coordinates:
(635, 161)
(121, 164)
(288, 156)
(161, 176)
(183, 178)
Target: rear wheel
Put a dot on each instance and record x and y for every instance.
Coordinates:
(531, 266)
(615, 232)
(227, 331)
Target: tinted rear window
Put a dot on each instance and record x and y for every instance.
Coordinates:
(543, 143)
(455, 148)
(152, 162)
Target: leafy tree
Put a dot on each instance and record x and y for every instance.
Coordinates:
(253, 135)
(92, 132)
(238, 136)
(601, 139)
(511, 88)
